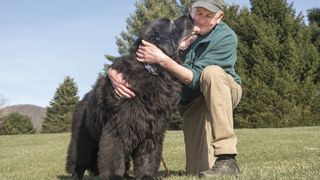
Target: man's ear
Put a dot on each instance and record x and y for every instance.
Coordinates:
(220, 16)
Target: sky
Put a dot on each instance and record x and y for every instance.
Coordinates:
(43, 41)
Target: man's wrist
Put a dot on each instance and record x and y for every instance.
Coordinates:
(165, 62)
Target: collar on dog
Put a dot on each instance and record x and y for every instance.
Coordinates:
(150, 69)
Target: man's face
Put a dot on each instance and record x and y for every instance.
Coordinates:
(204, 19)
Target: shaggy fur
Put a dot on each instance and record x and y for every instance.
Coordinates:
(108, 131)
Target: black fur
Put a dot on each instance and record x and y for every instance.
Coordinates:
(108, 131)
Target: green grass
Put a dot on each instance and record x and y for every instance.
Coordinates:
(288, 153)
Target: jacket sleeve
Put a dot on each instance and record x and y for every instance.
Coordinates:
(221, 52)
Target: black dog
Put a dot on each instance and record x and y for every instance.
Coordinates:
(108, 131)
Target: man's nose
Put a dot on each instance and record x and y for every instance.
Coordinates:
(196, 29)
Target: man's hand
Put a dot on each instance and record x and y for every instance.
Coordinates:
(121, 87)
(151, 54)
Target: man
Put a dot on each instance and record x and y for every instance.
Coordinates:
(211, 90)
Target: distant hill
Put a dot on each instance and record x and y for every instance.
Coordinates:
(36, 113)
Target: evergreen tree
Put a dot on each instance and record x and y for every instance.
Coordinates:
(314, 20)
(59, 113)
(146, 10)
(314, 16)
(277, 63)
(16, 123)
(278, 59)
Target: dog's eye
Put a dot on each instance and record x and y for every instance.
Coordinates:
(158, 39)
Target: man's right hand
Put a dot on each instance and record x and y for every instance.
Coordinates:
(121, 87)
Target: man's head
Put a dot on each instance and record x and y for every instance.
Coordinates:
(207, 14)
(211, 5)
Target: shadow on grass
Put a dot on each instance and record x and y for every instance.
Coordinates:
(171, 173)
(85, 177)
(160, 174)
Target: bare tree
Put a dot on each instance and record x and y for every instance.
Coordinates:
(3, 102)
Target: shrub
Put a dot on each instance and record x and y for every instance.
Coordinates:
(16, 123)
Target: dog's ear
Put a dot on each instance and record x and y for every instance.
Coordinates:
(183, 24)
(156, 30)
(159, 33)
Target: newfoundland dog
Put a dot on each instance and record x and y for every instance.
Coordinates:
(108, 132)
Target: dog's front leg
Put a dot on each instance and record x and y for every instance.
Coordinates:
(111, 158)
(146, 159)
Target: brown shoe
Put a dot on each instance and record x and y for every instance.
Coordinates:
(223, 166)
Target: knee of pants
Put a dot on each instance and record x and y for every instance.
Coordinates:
(211, 73)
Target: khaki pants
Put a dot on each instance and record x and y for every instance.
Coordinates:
(208, 120)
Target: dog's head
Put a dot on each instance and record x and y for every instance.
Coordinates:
(167, 34)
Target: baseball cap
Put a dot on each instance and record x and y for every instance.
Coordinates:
(211, 5)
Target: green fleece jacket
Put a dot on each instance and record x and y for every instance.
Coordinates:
(218, 47)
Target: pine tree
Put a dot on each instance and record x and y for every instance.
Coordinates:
(314, 16)
(277, 63)
(314, 27)
(59, 113)
(314, 20)
(146, 10)
(278, 59)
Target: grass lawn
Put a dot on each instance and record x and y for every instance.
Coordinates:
(288, 153)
